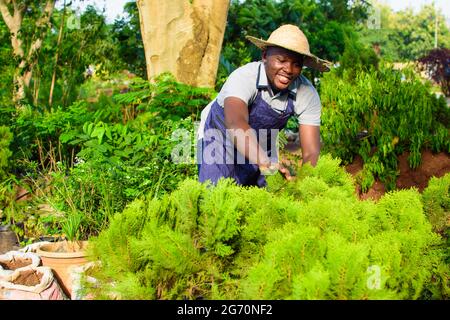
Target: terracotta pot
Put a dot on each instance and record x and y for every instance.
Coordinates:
(60, 257)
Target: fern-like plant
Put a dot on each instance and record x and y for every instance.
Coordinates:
(307, 239)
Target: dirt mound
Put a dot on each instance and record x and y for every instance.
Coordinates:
(432, 165)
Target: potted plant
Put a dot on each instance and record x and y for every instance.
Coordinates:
(62, 256)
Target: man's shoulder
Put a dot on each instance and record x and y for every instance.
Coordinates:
(305, 85)
(306, 92)
(243, 77)
(249, 69)
(241, 83)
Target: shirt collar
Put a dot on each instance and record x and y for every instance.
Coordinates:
(262, 82)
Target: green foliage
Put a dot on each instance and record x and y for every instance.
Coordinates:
(306, 239)
(5, 153)
(137, 155)
(8, 207)
(6, 69)
(89, 43)
(357, 57)
(395, 111)
(36, 134)
(92, 44)
(127, 31)
(94, 158)
(71, 226)
(406, 35)
(436, 202)
(166, 98)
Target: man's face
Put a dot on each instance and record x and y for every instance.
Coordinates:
(282, 67)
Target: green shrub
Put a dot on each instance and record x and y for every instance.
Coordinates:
(357, 57)
(306, 239)
(5, 153)
(436, 202)
(378, 115)
(95, 158)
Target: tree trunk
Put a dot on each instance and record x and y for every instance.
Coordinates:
(183, 37)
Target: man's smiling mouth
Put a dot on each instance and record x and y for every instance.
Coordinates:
(284, 79)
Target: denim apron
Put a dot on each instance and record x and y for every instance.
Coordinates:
(261, 116)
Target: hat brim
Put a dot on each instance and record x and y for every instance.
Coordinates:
(311, 60)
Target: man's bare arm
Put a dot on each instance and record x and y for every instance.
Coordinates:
(310, 143)
(245, 140)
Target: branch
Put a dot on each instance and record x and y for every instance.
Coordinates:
(45, 18)
(9, 21)
(40, 23)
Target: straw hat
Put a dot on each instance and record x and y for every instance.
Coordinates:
(292, 38)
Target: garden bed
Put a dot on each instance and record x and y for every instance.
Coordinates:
(432, 165)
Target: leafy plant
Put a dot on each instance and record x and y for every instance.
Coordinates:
(306, 239)
(436, 201)
(166, 99)
(5, 153)
(71, 226)
(437, 64)
(395, 111)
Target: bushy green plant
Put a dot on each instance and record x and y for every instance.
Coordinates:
(436, 202)
(357, 57)
(378, 115)
(7, 190)
(71, 226)
(5, 153)
(37, 135)
(306, 239)
(166, 98)
(94, 158)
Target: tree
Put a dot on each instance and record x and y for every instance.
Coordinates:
(437, 64)
(184, 38)
(25, 52)
(405, 35)
(92, 43)
(68, 51)
(6, 69)
(128, 34)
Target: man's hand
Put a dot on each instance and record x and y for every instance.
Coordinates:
(285, 172)
(272, 168)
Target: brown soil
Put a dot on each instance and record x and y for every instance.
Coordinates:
(432, 165)
(15, 264)
(28, 278)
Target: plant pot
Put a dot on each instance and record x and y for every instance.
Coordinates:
(61, 258)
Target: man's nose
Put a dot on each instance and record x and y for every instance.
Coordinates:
(288, 67)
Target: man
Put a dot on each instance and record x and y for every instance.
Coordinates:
(238, 129)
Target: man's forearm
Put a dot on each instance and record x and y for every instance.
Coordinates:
(246, 142)
(243, 136)
(310, 143)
